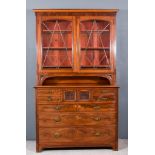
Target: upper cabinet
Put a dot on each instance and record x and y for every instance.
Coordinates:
(75, 42)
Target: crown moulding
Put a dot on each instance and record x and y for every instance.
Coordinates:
(76, 10)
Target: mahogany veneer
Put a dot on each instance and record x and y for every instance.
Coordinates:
(76, 91)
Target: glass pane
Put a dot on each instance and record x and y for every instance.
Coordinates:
(84, 95)
(69, 95)
(95, 44)
(57, 44)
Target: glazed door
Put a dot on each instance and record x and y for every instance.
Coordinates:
(95, 46)
(57, 37)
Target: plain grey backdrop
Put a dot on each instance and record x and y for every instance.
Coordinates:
(122, 54)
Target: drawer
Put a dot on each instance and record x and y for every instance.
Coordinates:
(48, 91)
(50, 95)
(72, 119)
(67, 107)
(58, 108)
(102, 95)
(76, 94)
(69, 95)
(48, 99)
(84, 95)
(47, 95)
(96, 107)
(90, 135)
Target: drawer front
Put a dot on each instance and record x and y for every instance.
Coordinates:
(72, 119)
(48, 91)
(69, 95)
(96, 107)
(47, 95)
(84, 95)
(103, 95)
(58, 108)
(52, 95)
(67, 107)
(48, 99)
(104, 135)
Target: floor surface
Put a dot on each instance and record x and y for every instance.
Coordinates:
(123, 150)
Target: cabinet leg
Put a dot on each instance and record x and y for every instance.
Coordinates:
(38, 148)
(115, 147)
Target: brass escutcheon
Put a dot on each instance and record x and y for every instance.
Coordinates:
(57, 119)
(97, 134)
(97, 118)
(58, 107)
(77, 117)
(49, 98)
(96, 107)
(104, 99)
(57, 135)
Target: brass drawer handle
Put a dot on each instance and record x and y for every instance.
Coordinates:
(104, 99)
(105, 91)
(58, 99)
(77, 117)
(58, 107)
(97, 134)
(57, 135)
(97, 118)
(49, 98)
(57, 119)
(97, 107)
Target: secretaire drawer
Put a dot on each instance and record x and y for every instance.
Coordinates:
(87, 95)
(65, 119)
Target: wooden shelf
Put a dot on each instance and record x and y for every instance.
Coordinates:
(68, 31)
(100, 66)
(57, 66)
(69, 48)
(84, 31)
(95, 48)
(57, 31)
(57, 48)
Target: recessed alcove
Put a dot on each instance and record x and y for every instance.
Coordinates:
(76, 81)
